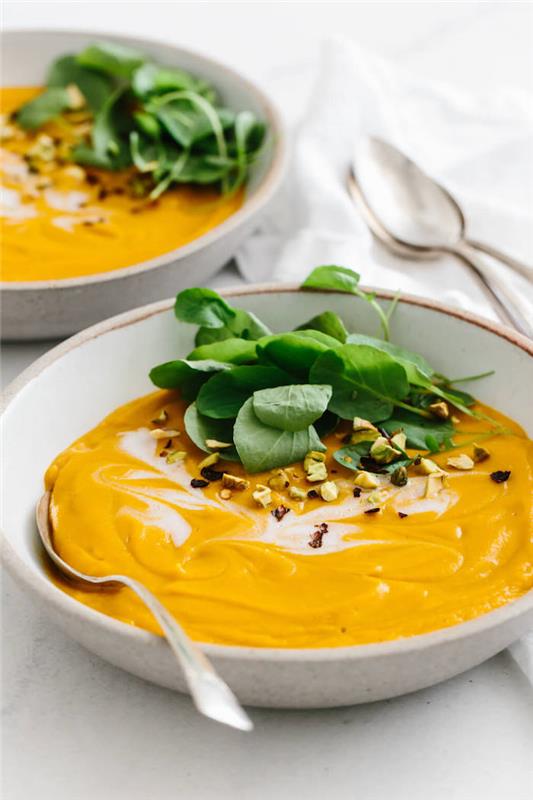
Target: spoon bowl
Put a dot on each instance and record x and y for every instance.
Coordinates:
(416, 217)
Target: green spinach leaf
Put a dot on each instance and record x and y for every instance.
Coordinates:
(417, 368)
(222, 396)
(342, 279)
(366, 382)
(232, 351)
(338, 279)
(43, 108)
(329, 323)
(94, 86)
(291, 408)
(294, 353)
(187, 376)
(203, 307)
(261, 447)
(244, 325)
(111, 58)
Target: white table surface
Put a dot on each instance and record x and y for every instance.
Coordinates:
(75, 727)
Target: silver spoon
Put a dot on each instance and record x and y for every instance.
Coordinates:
(210, 694)
(416, 217)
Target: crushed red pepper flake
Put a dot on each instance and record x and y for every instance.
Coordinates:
(316, 538)
(357, 492)
(402, 514)
(501, 475)
(279, 512)
(373, 510)
(312, 493)
(211, 474)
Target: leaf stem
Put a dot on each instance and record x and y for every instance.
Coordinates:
(206, 107)
(470, 377)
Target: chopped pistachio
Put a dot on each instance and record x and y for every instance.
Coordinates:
(44, 148)
(279, 480)
(360, 424)
(428, 467)
(399, 439)
(434, 484)
(176, 455)
(382, 452)
(161, 417)
(225, 494)
(313, 456)
(316, 471)
(297, 494)
(75, 172)
(328, 491)
(6, 131)
(440, 409)
(399, 477)
(163, 433)
(364, 436)
(262, 495)
(462, 461)
(75, 98)
(234, 482)
(480, 453)
(366, 480)
(376, 497)
(209, 460)
(214, 444)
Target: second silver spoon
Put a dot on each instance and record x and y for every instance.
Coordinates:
(415, 216)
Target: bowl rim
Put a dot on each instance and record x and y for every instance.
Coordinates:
(268, 186)
(80, 613)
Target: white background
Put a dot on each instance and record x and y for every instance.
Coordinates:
(75, 727)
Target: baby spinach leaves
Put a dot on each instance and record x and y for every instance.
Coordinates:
(291, 408)
(275, 395)
(262, 447)
(366, 382)
(167, 123)
(223, 394)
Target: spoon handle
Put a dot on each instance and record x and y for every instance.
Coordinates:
(518, 266)
(211, 695)
(512, 307)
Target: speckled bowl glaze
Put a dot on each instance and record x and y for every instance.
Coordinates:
(71, 388)
(58, 308)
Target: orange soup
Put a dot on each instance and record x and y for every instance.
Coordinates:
(374, 564)
(60, 220)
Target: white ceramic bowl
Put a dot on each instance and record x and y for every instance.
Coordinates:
(56, 308)
(70, 389)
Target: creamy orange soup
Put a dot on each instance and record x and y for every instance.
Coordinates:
(60, 220)
(234, 574)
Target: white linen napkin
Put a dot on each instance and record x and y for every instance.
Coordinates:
(479, 147)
